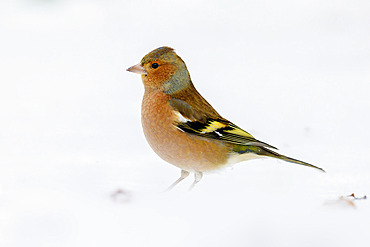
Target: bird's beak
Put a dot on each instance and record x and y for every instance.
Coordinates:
(138, 69)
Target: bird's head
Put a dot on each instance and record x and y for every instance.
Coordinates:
(163, 70)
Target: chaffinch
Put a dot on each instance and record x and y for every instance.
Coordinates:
(183, 128)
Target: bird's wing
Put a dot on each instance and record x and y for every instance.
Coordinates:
(197, 122)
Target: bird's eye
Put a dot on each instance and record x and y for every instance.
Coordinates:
(155, 65)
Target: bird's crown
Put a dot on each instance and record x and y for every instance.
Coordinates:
(162, 53)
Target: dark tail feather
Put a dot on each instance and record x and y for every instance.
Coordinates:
(266, 152)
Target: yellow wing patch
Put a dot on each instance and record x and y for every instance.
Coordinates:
(213, 126)
(222, 130)
(240, 132)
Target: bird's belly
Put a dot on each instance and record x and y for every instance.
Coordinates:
(186, 151)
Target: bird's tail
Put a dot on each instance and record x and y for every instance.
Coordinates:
(263, 151)
(269, 153)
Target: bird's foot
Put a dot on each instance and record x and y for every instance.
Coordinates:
(197, 177)
(184, 174)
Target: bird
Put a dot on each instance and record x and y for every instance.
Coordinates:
(184, 129)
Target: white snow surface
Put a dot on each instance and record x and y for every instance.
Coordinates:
(75, 169)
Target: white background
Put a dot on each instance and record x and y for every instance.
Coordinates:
(294, 74)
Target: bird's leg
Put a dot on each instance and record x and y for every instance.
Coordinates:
(197, 177)
(184, 174)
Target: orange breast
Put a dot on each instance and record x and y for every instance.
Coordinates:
(181, 149)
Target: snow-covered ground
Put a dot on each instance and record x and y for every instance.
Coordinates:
(75, 169)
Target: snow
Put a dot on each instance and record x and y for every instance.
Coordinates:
(75, 169)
